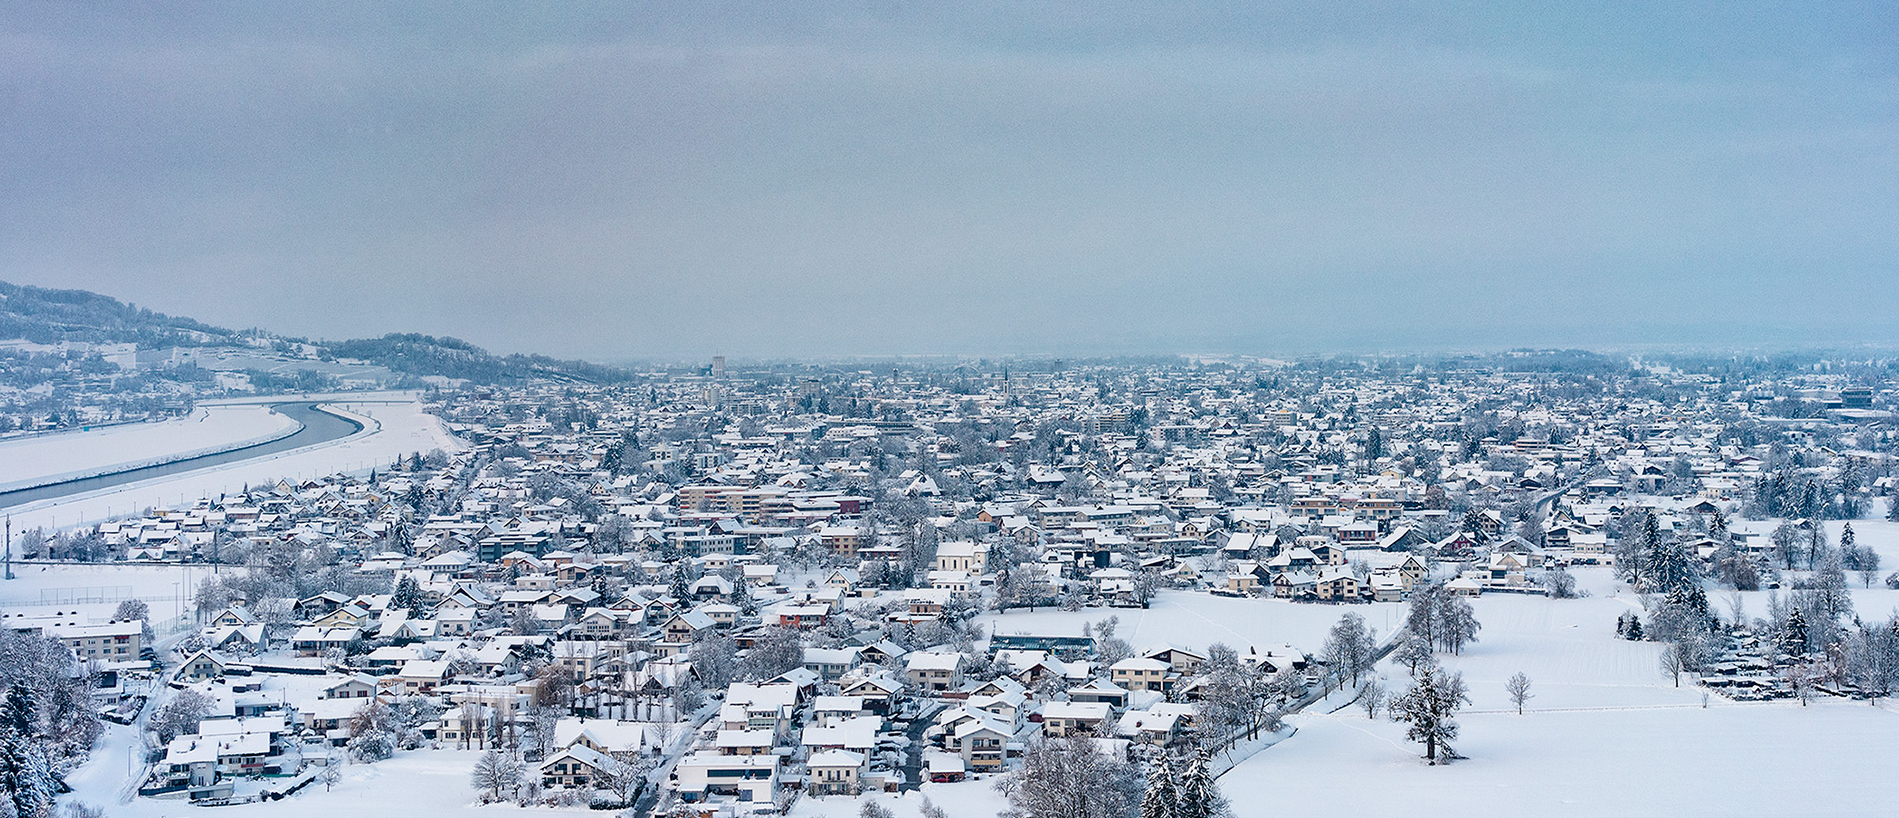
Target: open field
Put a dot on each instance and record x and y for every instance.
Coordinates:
(1607, 733)
(1195, 620)
(1754, 759)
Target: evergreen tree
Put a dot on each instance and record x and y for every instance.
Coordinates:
(18, 715)
(1668, 567)
(1158, 800)
(1892, 508)
(1650, 544)
(679, 589)
(742, 597)
(1477, 526)
(26, 778)
(1793, 641)
(1198, 796)
(408, 596)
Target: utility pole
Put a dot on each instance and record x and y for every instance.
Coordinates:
(9, 546)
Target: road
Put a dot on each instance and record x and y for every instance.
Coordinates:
(656, 781)
(912, 768)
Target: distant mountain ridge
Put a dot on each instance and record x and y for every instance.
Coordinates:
(50, 316)
(47, 316)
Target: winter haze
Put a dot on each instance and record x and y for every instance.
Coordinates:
(632, 180)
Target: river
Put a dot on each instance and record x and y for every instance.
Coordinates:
(318, 427)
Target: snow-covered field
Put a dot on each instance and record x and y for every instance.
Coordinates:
(391, 430)
(37, 461)
(1195, 620)
(1607, 733)
(975, 798)
(92, 592)
(1755, 759)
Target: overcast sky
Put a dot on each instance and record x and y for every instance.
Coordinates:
(681, 179)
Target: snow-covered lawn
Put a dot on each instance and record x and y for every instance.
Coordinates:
(37, 461)
(392, 430)
(1196, 619)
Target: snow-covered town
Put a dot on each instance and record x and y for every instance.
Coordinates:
(1106, 586)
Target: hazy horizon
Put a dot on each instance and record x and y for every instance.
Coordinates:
(651, 182)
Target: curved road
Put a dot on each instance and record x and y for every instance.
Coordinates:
(318, 427)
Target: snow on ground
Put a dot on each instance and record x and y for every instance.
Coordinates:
(1568, 647)
(1197, 619)
(38, 461)
(92, 592)
(974, 798)
(414, 783)
(392, 430)
(1607, 733)
(1756, 759)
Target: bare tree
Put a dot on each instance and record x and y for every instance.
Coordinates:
(1801, 677)
(776, 651)
(180, 716)
(1414, 651)
(1673, 663)
(625, 780)
(495, 772)
(1519, 688)
(1371, 697)
(1349, 648)
(1071, 778)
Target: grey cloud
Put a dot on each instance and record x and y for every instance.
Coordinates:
(625, 181)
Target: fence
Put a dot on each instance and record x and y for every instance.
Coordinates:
(74, 596)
